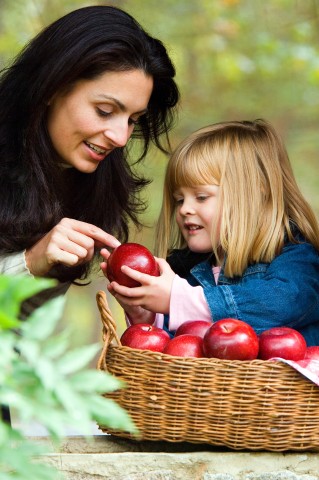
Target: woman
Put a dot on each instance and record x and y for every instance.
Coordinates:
(69, 104)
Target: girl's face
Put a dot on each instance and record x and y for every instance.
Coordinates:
(196, 213)
(97, 116)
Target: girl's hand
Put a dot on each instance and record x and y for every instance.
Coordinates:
(135, 314)
(153, 294)
(69, 243)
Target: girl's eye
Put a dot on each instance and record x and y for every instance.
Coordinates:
(202, 198)
(179, 201)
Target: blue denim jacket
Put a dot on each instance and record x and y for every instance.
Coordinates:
(284, 292)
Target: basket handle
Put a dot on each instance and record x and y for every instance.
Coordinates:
(109, 327)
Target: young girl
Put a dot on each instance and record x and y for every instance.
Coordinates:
(240, 239)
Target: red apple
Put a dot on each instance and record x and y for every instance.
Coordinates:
(312, 353)
(311, 360)
(193, 327)
(283, 342)
(185, 346)
(145, 337)
(135, 256)
(231, 339)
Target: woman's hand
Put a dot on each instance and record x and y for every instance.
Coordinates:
(69, 243)
(153, 295)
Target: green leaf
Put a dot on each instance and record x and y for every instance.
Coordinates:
(73, 403)
(17, 458)
(56, 346)
(8, 321)
(14, 289)
(77, 359)
(43, 321)
(95, 381)
(47, 373)
(107, 412)
(29, 350)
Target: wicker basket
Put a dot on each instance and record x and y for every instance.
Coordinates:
(254, 405)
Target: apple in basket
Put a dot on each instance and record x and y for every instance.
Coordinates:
(193, 327)
(185, 345)
(145, 337)
(135, 256)
(312, 353)
(283, 342)
(231, 339)
(311, 360)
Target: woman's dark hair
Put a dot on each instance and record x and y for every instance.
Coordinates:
(34, 193)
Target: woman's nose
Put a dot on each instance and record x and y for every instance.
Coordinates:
(118, 133)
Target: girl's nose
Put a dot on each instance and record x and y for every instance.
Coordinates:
(119, 133)
(187, 208)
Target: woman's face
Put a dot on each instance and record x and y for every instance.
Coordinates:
(97, 116)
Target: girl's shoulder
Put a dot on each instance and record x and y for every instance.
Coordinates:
(183, 260)
(300, 247)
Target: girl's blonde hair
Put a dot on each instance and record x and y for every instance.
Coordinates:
(260, 204)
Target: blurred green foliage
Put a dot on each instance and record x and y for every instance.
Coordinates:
(235, 59)
(42, 379)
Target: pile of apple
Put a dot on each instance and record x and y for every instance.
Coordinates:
(228, 338)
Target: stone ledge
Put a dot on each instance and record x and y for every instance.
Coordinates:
(112, 458)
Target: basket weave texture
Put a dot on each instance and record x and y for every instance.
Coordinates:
(253, 405)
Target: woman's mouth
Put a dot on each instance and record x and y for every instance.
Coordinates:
(96, 149)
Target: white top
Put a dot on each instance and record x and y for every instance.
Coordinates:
(15, 264)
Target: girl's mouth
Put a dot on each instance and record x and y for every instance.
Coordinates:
(192, 228)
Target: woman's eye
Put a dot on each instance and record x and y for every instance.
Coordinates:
(136, 121)
(103, 113)
(133, 121)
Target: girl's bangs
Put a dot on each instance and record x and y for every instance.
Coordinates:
(191, 169)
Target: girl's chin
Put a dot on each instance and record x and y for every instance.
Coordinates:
(199, 249)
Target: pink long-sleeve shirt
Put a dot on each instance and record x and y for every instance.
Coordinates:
(186, 303)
